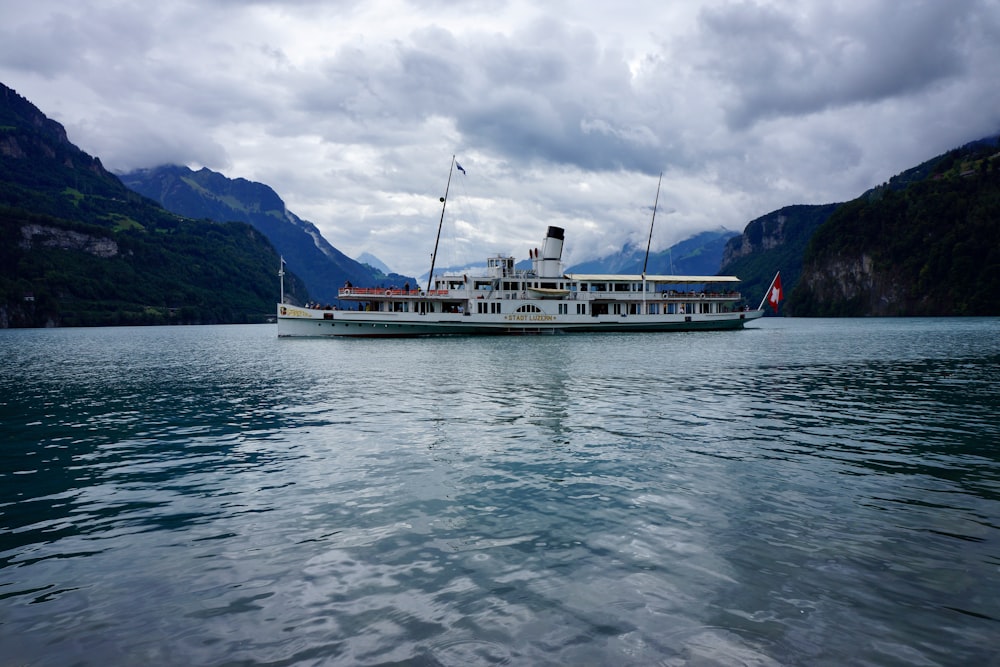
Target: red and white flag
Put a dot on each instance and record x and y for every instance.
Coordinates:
(773, 295)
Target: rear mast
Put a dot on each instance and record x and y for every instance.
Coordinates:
(649, 241)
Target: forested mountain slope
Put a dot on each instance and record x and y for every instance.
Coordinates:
(79, 248)
(926, 243)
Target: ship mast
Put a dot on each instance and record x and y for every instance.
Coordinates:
(281, 276)
(444, 203)
(649, 241)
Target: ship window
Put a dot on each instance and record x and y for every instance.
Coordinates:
(528, 308)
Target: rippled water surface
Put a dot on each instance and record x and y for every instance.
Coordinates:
(804, 492)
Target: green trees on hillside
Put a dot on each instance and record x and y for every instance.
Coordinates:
(79, 248)
(936, 241)
(186, 272)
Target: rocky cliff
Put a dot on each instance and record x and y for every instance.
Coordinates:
(48, 236)
(26, 135)
(856, 283)
(771, 243)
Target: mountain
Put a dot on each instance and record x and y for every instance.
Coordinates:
(925, 243)
(208, 194)
(374, 262)
(699, 255)
(770, 243)
(79, 248)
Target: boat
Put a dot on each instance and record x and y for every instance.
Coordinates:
(504, 299)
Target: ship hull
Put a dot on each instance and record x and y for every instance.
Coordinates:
(300, 322)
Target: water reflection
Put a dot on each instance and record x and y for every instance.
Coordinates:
(803, 492)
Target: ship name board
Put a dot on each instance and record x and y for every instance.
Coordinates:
(530, 318)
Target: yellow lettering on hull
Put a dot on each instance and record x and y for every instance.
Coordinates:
(530, 318)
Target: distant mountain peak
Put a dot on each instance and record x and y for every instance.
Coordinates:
(209, 194)
(700, 254)
(374, 262)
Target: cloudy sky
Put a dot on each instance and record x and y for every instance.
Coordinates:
(561, 112)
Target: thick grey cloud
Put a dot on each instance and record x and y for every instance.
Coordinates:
(778, 62)
(561, 113)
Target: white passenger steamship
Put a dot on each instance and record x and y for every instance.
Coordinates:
(507, 300)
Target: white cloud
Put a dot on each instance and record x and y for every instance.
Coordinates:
(560, 113)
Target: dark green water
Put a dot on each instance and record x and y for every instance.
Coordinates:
(804, 492)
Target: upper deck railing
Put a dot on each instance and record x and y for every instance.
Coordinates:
(594, 295)
(382, 291)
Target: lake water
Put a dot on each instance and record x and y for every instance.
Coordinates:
(803, 492)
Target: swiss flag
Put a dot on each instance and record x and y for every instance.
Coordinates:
(774, 294)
